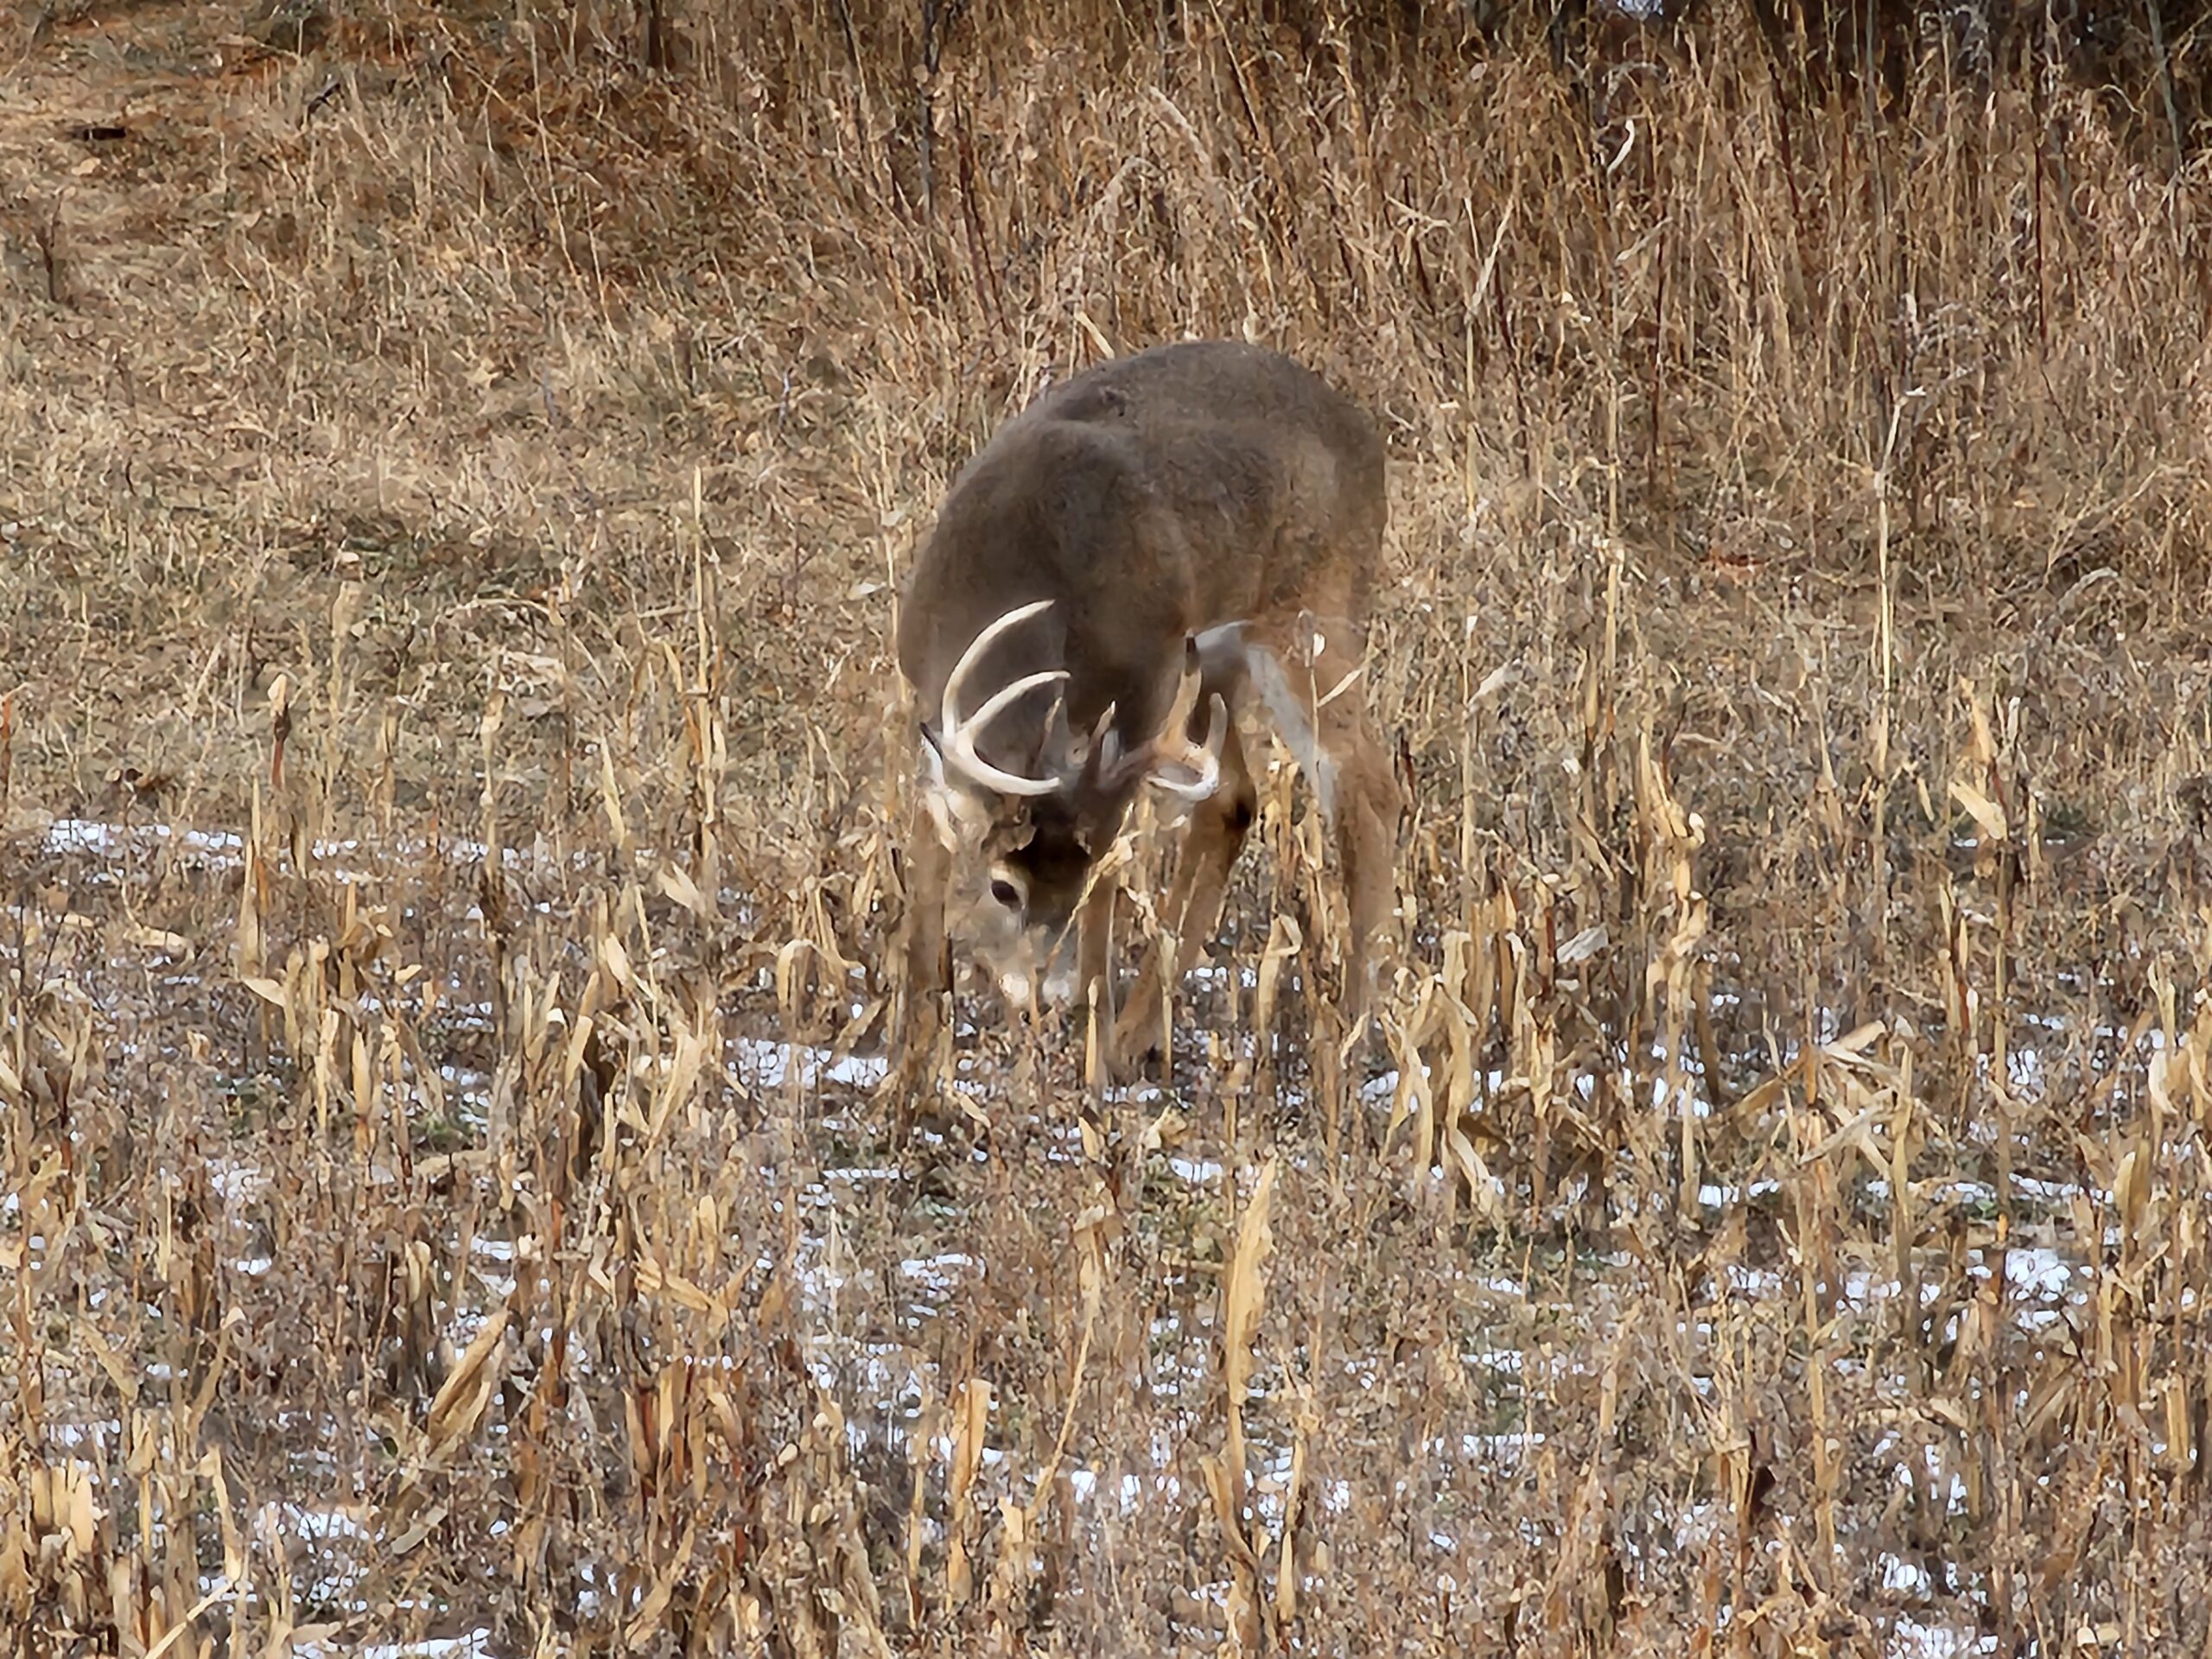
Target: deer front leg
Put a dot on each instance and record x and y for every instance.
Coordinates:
(919, 1024)
(1211, 842)
(1094, 978)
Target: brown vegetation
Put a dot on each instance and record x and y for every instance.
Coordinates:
(453, 486)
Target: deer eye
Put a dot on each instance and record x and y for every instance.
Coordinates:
(1005, 892)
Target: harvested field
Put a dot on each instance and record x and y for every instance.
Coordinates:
(456, 465)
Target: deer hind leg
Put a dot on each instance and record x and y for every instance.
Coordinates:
(1315, 686)
(1211, 840)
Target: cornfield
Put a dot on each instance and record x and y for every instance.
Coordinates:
(457, 464)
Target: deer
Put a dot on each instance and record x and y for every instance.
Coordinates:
(1153, 548)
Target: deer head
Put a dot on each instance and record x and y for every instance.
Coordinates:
(1024, 843)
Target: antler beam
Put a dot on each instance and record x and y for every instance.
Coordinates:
(961, 731)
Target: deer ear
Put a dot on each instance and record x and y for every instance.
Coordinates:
(940, 810)
(937, 794)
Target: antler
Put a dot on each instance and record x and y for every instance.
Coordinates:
(961, 731)
(1172, 746)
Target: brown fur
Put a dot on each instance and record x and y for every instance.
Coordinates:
(1152, 499)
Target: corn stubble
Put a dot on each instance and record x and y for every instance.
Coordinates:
(455, 485)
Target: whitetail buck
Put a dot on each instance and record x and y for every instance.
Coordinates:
(1109, 582)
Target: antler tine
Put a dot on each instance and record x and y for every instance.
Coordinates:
(1171, 744)
(960, 744)
(1205, 761)
(1101, 752)
(960, 730)
(1187, 698)
(976, 647)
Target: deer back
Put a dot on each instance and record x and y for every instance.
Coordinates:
(1150, 498)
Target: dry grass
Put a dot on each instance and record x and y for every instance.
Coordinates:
(452, 488)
